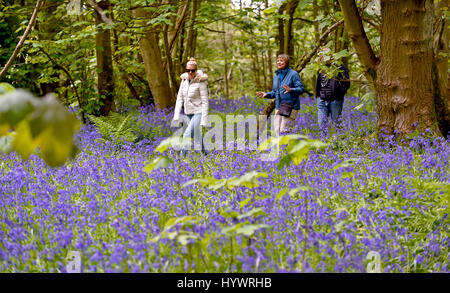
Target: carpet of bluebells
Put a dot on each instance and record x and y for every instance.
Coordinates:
(392, 199)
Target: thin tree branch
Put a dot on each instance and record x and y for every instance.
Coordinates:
(177, 30)
(69, 76)
(22, 39)
(372, 23)
(303, 19)
(101, 12)
(356, 32)
(179, 24)
(320, 42)
(214, 31)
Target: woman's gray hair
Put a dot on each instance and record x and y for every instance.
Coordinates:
(285, 57)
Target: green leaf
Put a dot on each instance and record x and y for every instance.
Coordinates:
(367, 97)
(293, 192)
(284, 161)
(232, 229)
(248, 180)
(15, 106)
(190, 182)
(23, 143)
(249, 230)
(359, 107)
(184, 239)
(53, 127)
(244, 202)
(341, 54)
(281, 193)
(301, 154)
(6, 143)
(270, 10)
(160, 162)
(182, 220)
(5, 88)
(254, 212)
(346, 163)
(229, 213)
(347, 174)
(172, 141)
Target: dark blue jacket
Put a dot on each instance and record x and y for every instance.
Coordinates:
(291, 79)
(335, 88)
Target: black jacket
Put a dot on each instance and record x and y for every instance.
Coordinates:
(335, 88)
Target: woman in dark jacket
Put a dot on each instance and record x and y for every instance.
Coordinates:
(330, 92)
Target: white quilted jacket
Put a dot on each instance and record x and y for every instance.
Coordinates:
(193, 96)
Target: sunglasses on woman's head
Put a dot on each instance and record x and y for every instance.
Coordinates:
(191, 70)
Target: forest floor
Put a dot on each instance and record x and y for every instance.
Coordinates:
(358, 205)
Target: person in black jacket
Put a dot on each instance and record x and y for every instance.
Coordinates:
(330, 92)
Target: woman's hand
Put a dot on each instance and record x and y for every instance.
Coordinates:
(287, 88)
(261, 94)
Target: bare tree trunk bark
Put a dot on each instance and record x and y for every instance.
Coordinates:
(291, 6)
(316, 23)
(105, 71)
(355, 29)
(404, 81)
(281, 29)
(285, 37)
(225, 50)
(122, 72)
(176, 29)
(440, 69)
(47, 27)
(190, 44)
(169, 61)
(156, 75)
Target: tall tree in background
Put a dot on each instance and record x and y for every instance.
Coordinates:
(402, 77)
(189, 49)
(441, 76)
(105, 71)
(151, 55)
(285, 35)
(47, 28)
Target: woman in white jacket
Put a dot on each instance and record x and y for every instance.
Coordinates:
(193, 96)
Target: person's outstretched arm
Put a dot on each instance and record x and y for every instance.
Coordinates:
(269, 95)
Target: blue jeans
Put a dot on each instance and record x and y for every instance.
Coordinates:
(194, 132)
(326, 109)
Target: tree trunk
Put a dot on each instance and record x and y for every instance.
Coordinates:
(121, 68)
(173, 84)
(440, 69)
(404, 83)
(355, 29)
(151, 55)
(289, 39)
(285, 36)
(190, 40)
(316, 23)
(47, 28)
(225, 51)
(105, 72)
